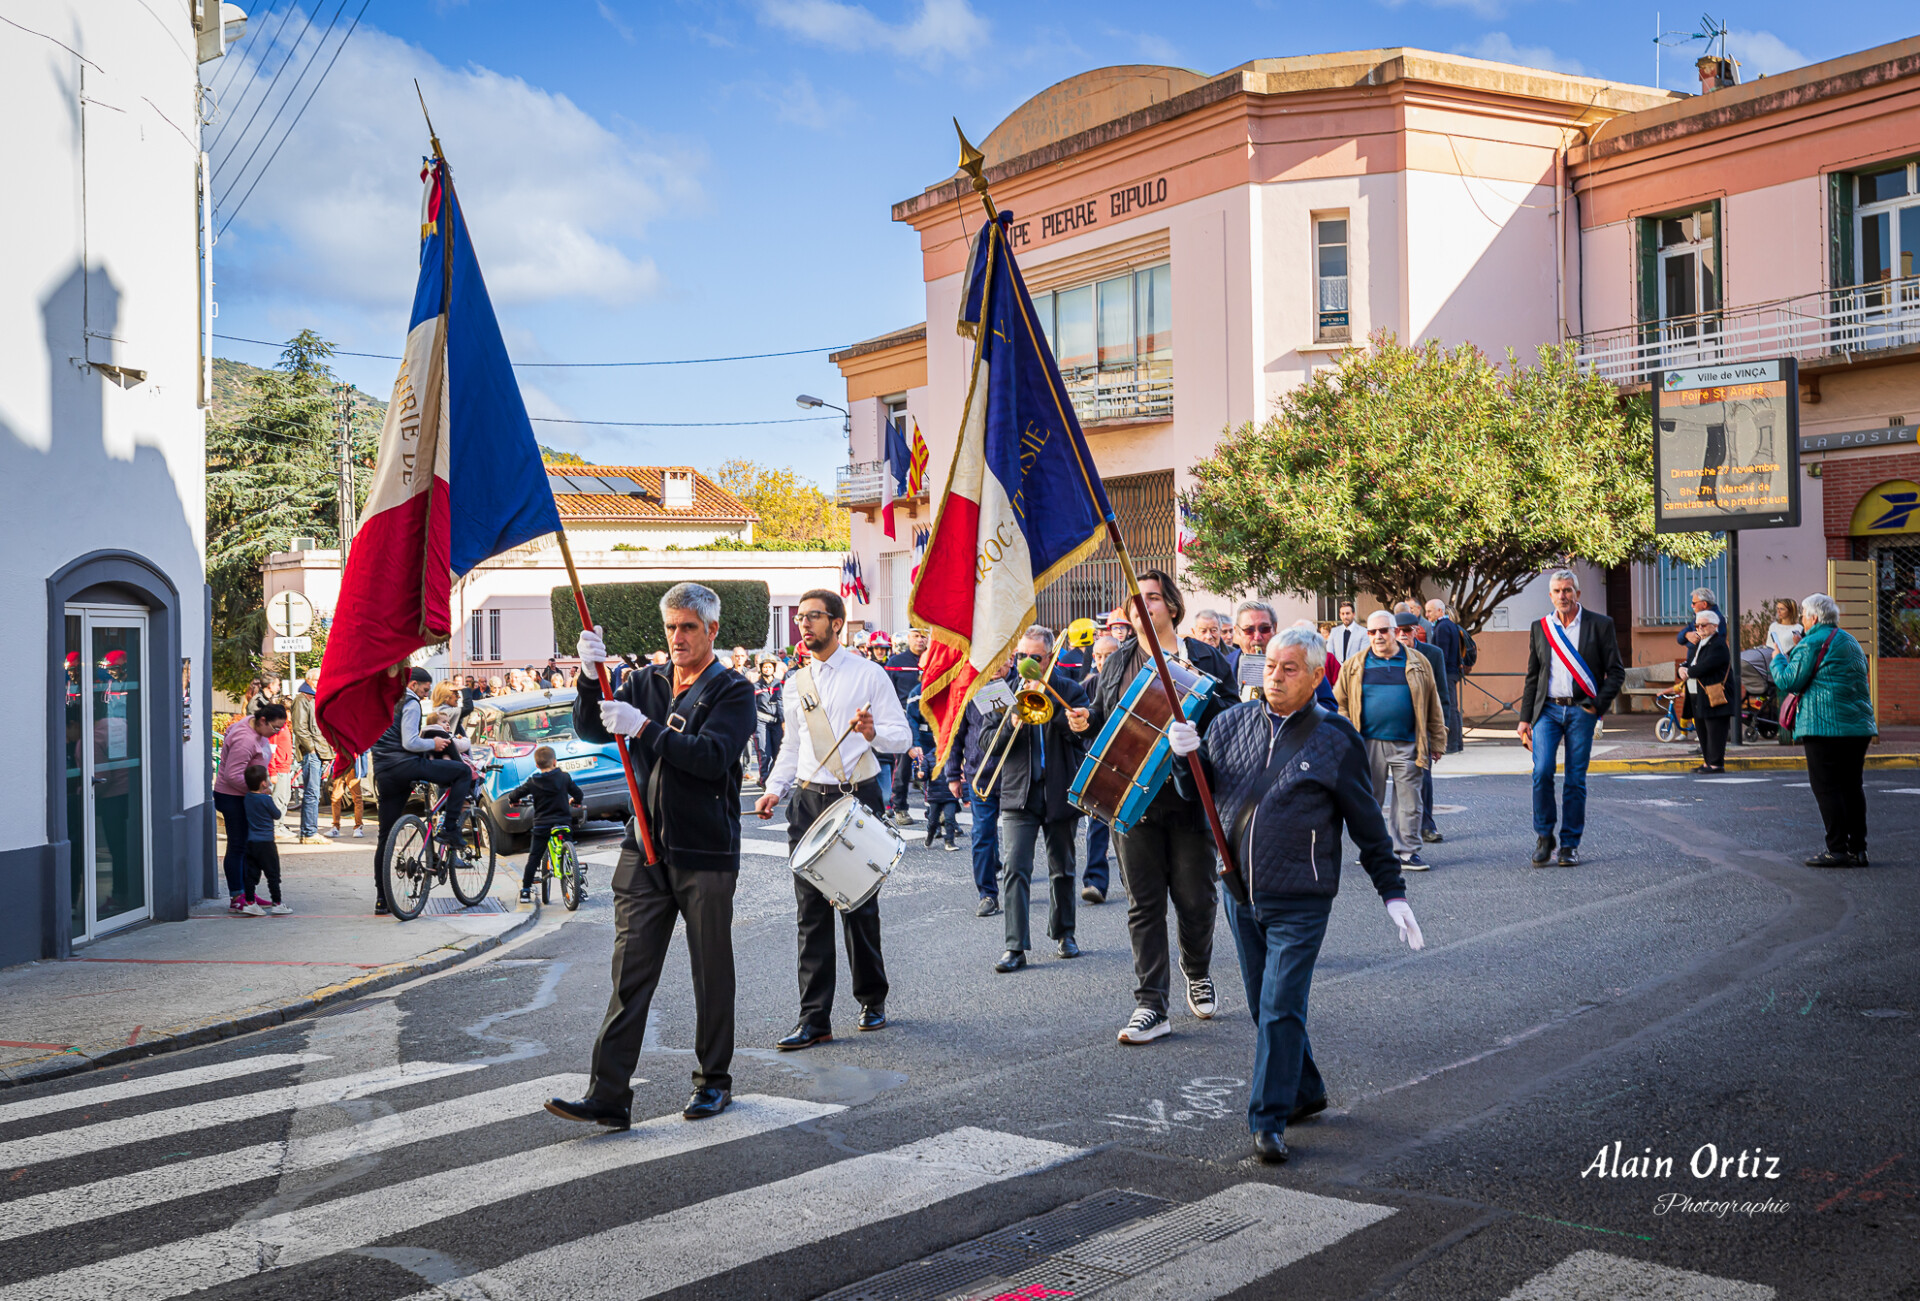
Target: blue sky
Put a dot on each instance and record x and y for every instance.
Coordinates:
(692, 178)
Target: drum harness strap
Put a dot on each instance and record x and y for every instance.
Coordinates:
(820, 732)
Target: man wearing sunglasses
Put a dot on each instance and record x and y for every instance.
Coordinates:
(1254, 624)
(1391, 696)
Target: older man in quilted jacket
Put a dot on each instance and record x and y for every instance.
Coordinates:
(1288, 774)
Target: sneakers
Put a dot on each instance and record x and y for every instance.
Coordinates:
(1201, 999)
(902, 818)
(280, 910)
(1092, 895)
(254, 910)
(1144, 1026)
(1414, 863)
(951, 847)
(331, 833)
(236, 905)
(526, 894)
(359, 833)
(989, 907)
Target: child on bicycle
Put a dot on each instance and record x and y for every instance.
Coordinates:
(263, 856)
(553, 793)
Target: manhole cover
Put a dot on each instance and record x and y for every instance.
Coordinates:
(448, 906)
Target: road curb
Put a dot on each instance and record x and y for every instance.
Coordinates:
(196, 1034)
(1767, 763)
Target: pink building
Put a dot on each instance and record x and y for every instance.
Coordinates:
(1198, 245)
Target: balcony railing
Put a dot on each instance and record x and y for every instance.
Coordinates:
(1855, 319)
(859, 483)
(1859, 318)
(1143, 392)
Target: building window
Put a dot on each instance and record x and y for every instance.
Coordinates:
(1332, 322)
(1688, 281)
(1887, 232)
(473, 635)
(493, 634)
(1113, 342)
(1668, 597)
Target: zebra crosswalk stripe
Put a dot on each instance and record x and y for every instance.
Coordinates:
(1599, 1276)
(140, 1088)
(130, 1192)
(656, 1255)
(77, 1140)
(346, 1223)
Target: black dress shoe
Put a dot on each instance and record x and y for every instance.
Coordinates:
(1011, 960)
(872, 1018)
(1859, 858)
(591, 1111)
(1068, 948)
(931, 827)
(1542, 851)
(803, 1036)
(1569, 856)
(1301, 1110)
(705, 1103)
(1831, 859)
(1269, 1147)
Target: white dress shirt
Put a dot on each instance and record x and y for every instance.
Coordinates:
(846, 683)
(1345, 640)
(1559, 677)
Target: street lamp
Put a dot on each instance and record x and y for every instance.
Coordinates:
(807, 402)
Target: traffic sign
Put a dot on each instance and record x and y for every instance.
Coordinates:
(289, 613)
(297, 645)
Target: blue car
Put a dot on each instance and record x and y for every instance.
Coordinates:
(506, 730)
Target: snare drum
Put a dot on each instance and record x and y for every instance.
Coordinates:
(1131, 759)
(848, 853)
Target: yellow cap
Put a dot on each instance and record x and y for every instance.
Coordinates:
(1081, 632)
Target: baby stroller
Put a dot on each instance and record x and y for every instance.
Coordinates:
(1759, 699)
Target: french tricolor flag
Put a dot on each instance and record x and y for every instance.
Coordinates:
(1023, 501)
(459, 479)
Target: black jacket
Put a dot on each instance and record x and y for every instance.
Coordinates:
(1445, 638)
(1598, 647)
(770, 703)
(694, 807)
(1076, 663)
(553, 792)
(903, 671)
(1118, 673)
(1294, 829)
(968, 750)
(1710, 661)
(1064, 750)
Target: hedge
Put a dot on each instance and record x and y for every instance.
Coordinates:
(630, 613)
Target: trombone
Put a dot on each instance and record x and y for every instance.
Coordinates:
(1032, 705)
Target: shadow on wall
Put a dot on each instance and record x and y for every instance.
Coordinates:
(68, 501)
(1509, 283)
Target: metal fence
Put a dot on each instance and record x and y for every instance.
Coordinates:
(859, 483)
(1858, 318)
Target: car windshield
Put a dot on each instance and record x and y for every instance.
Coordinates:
(539, 725)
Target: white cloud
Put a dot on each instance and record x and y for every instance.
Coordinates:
(1763, 53)
(799, 103)
(606, 12)
(1478, 8)
(1499, 47)
(942, 28)
(557, 201)
(1157, 48)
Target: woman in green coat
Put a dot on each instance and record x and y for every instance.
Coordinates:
(1834, 721)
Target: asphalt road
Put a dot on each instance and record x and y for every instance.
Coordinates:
(1690, 988)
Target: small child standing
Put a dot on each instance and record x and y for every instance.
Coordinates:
(942, 805)
(263, 856)
(553, 793)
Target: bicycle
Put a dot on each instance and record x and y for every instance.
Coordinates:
(561, 861)
(415, 859)
(1672, 727)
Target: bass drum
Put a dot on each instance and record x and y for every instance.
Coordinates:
(848, 853)
(1131, 759)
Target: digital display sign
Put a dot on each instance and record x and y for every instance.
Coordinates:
(1726, 451)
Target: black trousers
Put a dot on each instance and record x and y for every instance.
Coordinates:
(263, 859)
(1020, 829)
(861, 927)
(1713, 741)
(646, 901)
(1834, 770)
(1164, 860)
(394, 781)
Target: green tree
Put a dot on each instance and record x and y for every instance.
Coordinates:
(791, 510)
(1411, 466)
(272, 476)
(554, 456)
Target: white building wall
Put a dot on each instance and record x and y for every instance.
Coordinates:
(101, 266)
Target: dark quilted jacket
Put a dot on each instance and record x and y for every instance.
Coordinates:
(1295, 828)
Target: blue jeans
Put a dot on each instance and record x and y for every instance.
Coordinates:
(1574, 725)
(313, 775)
(986, 848)
(1098, 839)
(233, 863)
(1279, 940)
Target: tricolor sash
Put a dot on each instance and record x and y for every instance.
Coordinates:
(1569, 655)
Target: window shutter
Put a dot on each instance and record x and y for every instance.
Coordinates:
(1649, 269)
(1719, 258)
(1840, 228)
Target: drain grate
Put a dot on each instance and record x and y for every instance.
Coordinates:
(448, 906)
(1055, 1253)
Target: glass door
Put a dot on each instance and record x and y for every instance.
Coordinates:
(107, 796)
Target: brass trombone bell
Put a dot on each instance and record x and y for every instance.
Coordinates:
(1033, 706)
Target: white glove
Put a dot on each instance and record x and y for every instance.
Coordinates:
(1183, 738)
(1402, 917)
(617, 716)
(592, 648)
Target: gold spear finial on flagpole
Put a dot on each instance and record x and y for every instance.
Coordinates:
(974, 164)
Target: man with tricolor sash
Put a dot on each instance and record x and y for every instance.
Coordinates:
(1573, 674)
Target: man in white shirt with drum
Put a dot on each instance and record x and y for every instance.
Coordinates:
(835, 692)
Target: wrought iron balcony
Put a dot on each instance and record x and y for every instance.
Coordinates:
(859, 483)
(1831, 322)
(1143, 392)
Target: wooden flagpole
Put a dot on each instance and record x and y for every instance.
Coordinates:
(973, 163)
